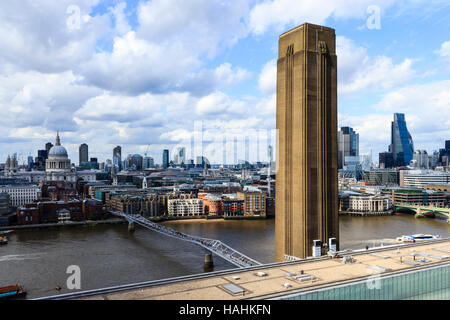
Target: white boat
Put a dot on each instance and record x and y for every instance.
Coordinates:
(420, 237)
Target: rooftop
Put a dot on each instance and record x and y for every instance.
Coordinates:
(275, 280)
(304, 24)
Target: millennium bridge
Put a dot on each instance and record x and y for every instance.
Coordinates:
(215, 246)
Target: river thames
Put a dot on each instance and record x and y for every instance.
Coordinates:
(108, 255)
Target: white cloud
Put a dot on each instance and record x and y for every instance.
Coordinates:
(120, 18)
(281, 13)
(36, 99)
(136, 66)
(198, 26)
(427, 111)
(218, 103)
(374, 131)
(444, 51)
(226, 74)
(428, 104)
(267, 81)
(167, 72)
(358, 72)
(36, 36)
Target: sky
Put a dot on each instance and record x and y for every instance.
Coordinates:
(159, 74)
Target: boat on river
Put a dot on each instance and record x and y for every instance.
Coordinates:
(12, 292)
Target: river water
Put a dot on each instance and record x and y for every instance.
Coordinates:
(108, 255)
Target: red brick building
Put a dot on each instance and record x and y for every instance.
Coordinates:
(57, 190)
(51, 211)
(212, 206)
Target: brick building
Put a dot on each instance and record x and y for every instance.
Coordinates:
(418, 197)
(51, 211)
(254, 202)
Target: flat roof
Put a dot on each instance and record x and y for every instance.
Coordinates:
(290, 277)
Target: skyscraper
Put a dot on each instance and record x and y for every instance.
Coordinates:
(83, 153)
(135, 161)
(48, 146)
(148, 162)
(385, 160)
(117, 157)
(306, 182)
(180, 156)
(402, 147)
(348, 145)
(165, 160)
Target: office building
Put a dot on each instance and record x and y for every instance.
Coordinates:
(385, 160)
(165, 159)
(306, 182)
(418, 197)
(420, 160)
(202, 162)
(443, 156)
(421, 178)
(180, 156)
(135, 162)
(148, 162)
(364, 203)
(382, 177)
(48, 146)
(402, 147)
(348, 145)
(117, 158)
(83, 154)
(21, 194)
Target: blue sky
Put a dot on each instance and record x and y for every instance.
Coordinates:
(146, 73)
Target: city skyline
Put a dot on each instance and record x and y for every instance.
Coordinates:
(394, 57)
(226, 148)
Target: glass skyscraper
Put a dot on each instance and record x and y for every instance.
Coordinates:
(402, 147)
(165, 161)
(348, 145)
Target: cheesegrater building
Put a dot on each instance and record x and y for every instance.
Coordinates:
(306, 181)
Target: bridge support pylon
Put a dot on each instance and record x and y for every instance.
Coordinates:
(130, 226)
(419, 214)
(209, 263)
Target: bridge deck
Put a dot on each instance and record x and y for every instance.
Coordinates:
(425, 209)
(215, 246)
(325, 272)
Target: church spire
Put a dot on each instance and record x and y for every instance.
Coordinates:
(58, 141)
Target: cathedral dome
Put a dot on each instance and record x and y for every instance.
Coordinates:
(58, 151)
(58, 160)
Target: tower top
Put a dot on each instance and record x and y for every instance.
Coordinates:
(58, 140)
(307, 24)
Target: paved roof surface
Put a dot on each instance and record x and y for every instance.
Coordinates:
(278, 278)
